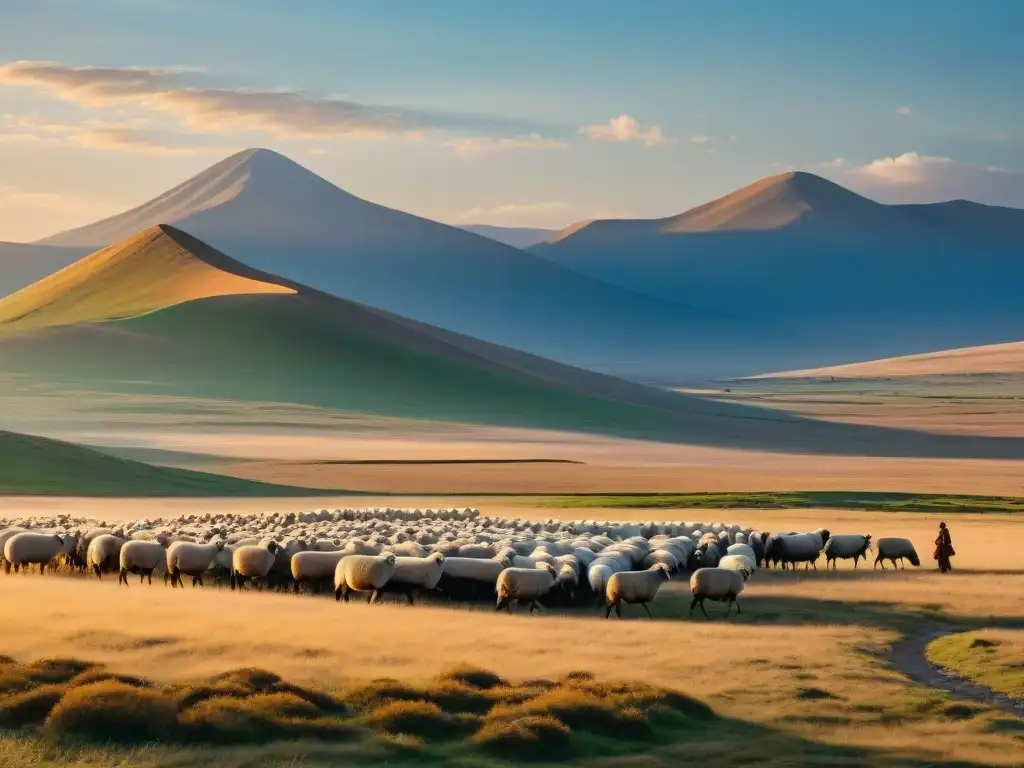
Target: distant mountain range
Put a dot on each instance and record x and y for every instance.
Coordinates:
(163, 313)
(517, 237)
(275, 215)
(791, 272)
(840, 276)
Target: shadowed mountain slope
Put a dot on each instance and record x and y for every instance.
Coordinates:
(840, 277)
(219, 329)
(22, 264)
(275, 215)
(517, 237)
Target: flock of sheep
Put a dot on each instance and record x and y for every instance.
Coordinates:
(460, 555)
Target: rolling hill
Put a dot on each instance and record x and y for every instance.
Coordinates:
(275, 215)
(164, 313)
(840, 276)
(22, 264)
(968, 361)
(39, 466)
(517, 237)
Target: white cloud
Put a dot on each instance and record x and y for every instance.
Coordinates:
(903, 110)
(282, 113)
(483, 144)
(626, 128)
(701, 139)
(95, 134)
(916, 178)
(836, 162)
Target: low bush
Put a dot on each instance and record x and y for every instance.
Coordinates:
(259, 719)
(113, 712)
(471, 676)
(532, 737)
(419, 718)
(29, 707)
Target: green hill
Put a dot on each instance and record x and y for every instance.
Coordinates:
(38, 466)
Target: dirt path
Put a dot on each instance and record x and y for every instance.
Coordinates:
(909, 657)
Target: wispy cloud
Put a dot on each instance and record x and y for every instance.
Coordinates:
(94, 134)
(917, 178)
(484, 144)
(626, 128)
(178, 91)
(701, 139)
(903, 110)
(836, 162)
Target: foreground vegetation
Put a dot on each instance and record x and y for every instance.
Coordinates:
(993, 658)
(862, 500)
(70, 712)
(38, 466)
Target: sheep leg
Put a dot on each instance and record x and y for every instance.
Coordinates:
(97, 571)
(122, 577)
(337, 594)
(702, 609)
(648, 611)
(42, 569)
(608, 611)
(693, 603)
(533, 606)
(502, 602)
(738, 606)
(295, 586)
(408, 596)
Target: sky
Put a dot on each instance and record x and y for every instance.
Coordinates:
(515, 114)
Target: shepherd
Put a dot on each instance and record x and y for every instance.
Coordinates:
(944, 549)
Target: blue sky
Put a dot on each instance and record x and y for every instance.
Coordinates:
(500, 112)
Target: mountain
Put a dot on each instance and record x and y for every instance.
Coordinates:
(838, 276)
(38, 466)
(273, 214)
(517, 237)
(163, 313)
(968, 361)
(22, 264)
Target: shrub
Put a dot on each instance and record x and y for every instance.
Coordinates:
(58, 670)
(259, 719)
(381, 691)
(471, 676)
(581, 711)
(454, 697)
(419, 718)
(113, 712)
(525, 738)
(251, 678)
(186, 696)
(29, 707)
(99, 676)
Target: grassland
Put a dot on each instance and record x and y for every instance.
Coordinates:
(39, 466)
(802, 677)
(993, 658)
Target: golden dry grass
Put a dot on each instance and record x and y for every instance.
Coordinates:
(805, 657)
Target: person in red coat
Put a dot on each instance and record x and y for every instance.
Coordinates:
(944, 549)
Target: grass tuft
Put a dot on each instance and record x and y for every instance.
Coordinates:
(531, 737)
(29, 707)
(471, 676)
(113, 712)
(419, 718)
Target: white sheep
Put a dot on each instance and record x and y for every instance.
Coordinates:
(719, 584)
(252, 564)
(141, 557)
(893, 549)
(635, 587)
(415, 574)
(9, 533)
(186, 557)
(314, 567)
(847, 546)
(740, 563)
(362, 573)
(103, 553)
(524, 584)
(25, 549)
(743, 549)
